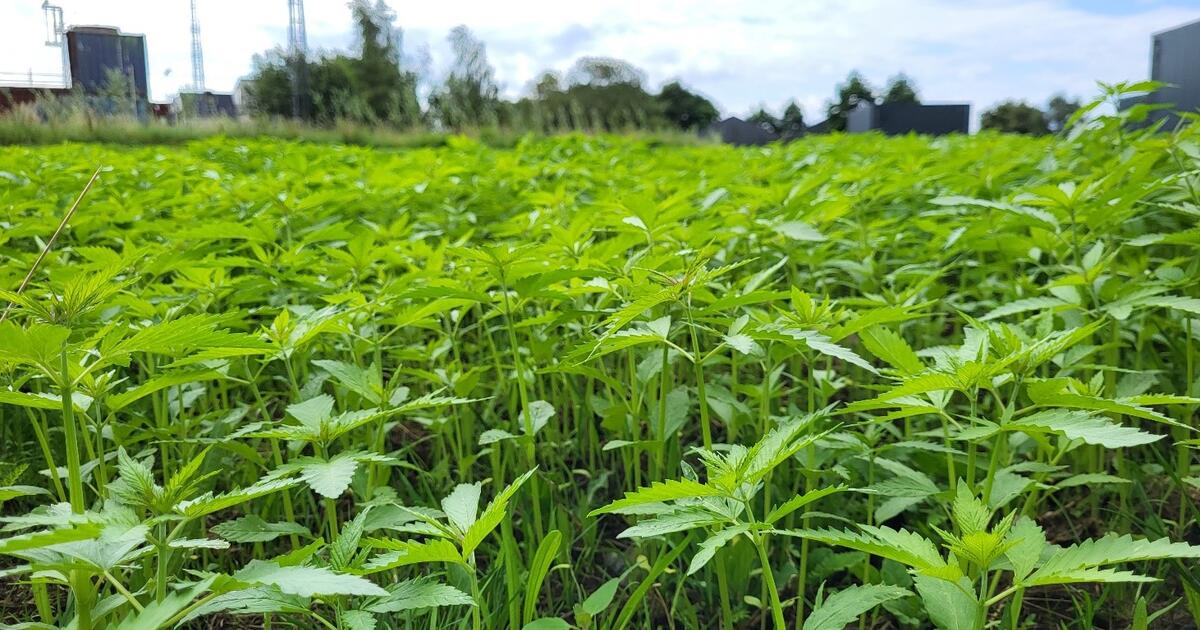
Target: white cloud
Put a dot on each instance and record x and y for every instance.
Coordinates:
(762, 52)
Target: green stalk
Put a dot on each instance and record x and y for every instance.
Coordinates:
(698, 365)
(664, 381)
(769, 580)
(74, 475)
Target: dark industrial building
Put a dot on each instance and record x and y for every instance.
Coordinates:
(97, 53)
(100, 58)
(1174, 59)
(901, 118)
(738, 132)
(204, 105)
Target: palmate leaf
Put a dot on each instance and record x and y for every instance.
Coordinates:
(306, 581)
(657, 492)
(845, 606)
(417, 594)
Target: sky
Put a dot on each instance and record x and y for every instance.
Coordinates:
(740, 55)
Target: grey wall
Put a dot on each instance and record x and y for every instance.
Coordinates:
(934, 120)
(93, 52)
(861, 118)
(1175, 59)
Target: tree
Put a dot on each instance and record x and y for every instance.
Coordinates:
(378, 78)
(687, 110)
(791, 124)
(1015, 117)
(372, 87)
(849, 94)
(901, 89)
(1059, 110)
(470, 96)
(764, 119)
(603, 72)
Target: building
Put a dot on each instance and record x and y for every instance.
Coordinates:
(901, 118)
(203, 105)
(107, 67)
(738, 132)
(1175, 60)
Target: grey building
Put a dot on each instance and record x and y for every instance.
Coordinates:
(1175, 59)
(97, 53)
(900, 118)
(738, 132)
(204, 105)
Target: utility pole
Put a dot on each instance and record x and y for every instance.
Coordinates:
(197, 54)
(56, 37)
(297, 49)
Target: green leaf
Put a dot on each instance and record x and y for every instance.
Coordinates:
(329, 478)
(799, 231)
(1082, 425)
(209, 503)
(536, 417)
(360, 380)
(677, 520)
(461, 506)
(1026, 305)
(711, 545)
(543, 558)
(657, 492)
(601, 597)
(408, 552)
(547, 623)
(85, 531)
(492, 515)
(891, 348)
(949, 604)
(845, 606)
(1069, 565)
(417, 594)
(799, 501)
(156, 614)
(252, 528)
(306, 581)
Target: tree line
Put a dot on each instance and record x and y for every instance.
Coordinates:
(376, 84)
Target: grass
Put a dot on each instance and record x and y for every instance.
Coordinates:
(25, 127)
(597, 382)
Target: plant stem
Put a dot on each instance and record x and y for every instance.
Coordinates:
(769, 579)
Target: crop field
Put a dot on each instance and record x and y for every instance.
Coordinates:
(593, 382)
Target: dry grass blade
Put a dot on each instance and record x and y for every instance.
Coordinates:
(53, 237)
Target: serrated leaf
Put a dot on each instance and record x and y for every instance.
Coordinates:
(306, 581)
(845, 606)
(658, 492)
(417, 594)
(462, 505)
(252, 528)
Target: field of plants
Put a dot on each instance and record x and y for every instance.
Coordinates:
(592, 382)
